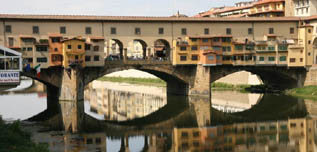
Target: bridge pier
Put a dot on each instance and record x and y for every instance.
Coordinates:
(200, 83)
(72, 87)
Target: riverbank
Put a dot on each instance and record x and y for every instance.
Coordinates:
(161, 83)
(14, 139)
(307, 92)
(131, 80)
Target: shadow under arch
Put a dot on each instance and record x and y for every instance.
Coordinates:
(277, 77)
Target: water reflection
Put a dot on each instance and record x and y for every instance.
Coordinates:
(298, 135)
(124, 101)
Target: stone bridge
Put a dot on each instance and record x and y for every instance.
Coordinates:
(184, 80)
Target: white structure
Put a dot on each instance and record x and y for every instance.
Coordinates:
(10, 67)
(304, 7)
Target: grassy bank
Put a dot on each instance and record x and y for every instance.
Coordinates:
(308, 92)
(14, 139)
(226, 86)
(141, 81)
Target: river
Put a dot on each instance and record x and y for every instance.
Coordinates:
(125, 117)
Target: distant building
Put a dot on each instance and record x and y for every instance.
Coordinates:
(301, 7)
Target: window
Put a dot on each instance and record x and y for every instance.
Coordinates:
(309, 30)
(210, 57)
(194, 57)
(301, 59)
(183, 48)
(113, 30)
(30, 48)
(11, 41)
(271, 30)
(87, 47)
(87, 58)
(69, 46)
(96, 48)
(216, 39)
(226, 48)
(183, 58)
(218, 57)
(261, 48)
(194, 48)
(88, 30)
(250, 30)
(271, 48)
(228, 31)
(196, 134)
(8, 29)
(29, 60)
(194, 40)
(292, 60)
(282, 47)
(216, 48)
(261, 58)
(226, 39)
(62, 30)
(96, 58)
(282, 58)
(41, 60)
(161, 30)
(55, 40)
(271, 58)
(206, 31)
(137, 31)
(238, 47)
(293, 125)
(184, 31)
(76, 57)
(205, 40)
(55, 49)
(291, 30)
(36, 30)
(79, 47)
(41, 48)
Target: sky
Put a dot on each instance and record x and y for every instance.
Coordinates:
(111, 7)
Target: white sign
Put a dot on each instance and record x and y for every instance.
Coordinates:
(9, 77)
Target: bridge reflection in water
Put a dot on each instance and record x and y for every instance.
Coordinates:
(186, 123)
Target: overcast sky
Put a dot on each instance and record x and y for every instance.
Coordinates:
(111, 7)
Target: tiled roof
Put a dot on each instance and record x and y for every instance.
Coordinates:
(141, 18)
(268, 1)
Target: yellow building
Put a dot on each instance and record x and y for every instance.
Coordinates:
(267, 8)
(73, 52)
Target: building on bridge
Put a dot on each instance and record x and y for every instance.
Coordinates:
(272, 49)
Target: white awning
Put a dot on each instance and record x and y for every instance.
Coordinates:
(10, 51)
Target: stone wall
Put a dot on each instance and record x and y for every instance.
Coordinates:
(311, 77)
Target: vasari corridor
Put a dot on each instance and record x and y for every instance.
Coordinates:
(158, 76)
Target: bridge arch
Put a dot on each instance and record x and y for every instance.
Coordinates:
(162, 49)
(278, 77)
(115, 49)
(144, 47)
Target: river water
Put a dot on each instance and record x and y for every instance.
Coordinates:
(125, 117)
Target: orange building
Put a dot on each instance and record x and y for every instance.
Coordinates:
(74, 52)
(55, 50)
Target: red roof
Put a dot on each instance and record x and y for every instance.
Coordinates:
(143, 18)
(268, 1)
(26, 37)
(55, 35)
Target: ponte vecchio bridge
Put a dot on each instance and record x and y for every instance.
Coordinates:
(188, 53)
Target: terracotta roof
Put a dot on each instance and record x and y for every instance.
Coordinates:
(239, 15)
(26, 37)
(75, 38)
(97, 38)
(141, 18)
(268, 1)
(14, 47)
(208, 36)
(209, 52)
(229, 9)
(55, 35)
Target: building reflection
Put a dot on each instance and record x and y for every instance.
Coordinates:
(121, 105)
(295, 135)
